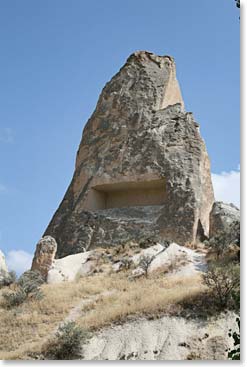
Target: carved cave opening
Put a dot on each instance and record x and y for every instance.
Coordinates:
(125, 194)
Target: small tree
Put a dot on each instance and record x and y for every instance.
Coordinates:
(222, 281)
(145, 262)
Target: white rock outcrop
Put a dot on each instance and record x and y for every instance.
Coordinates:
(181, 260)
(168, 338)
(69, 268)
(174, 258)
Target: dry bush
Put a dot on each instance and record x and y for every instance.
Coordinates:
(222, 281)
(144, 263)
(223, 242)
(27, 287)
(8, 280)
(66, 344)
(127, 263)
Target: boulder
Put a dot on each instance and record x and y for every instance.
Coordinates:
(44, 255)
(222, 217)
(141, 167)
(70, 267)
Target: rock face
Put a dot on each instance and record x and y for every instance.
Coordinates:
(44, 255)
(142, 167)
(222, 217)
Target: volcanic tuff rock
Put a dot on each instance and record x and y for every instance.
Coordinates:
(44, 255)
(142, 167)
(163, 258)
(168, 338)
(222, 217)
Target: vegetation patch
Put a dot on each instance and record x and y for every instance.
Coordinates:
(67, 343)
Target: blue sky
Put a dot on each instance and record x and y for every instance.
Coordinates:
(56, 57)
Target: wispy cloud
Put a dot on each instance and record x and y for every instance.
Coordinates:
(227, 186)
(6, 135)
(19, 261)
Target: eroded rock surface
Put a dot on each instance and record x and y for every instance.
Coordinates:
(168, 338)
(141, 165)
(170, 259)
(44, 255)
(222, 217)
(70, 267)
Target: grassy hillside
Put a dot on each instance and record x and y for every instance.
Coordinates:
(93, 302)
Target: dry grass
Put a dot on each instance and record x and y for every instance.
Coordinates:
(32, 322)
(26, 328)
(145, 296)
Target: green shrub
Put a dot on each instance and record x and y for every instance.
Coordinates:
(67, 343)
(223, 239)
(14, 298)
(28, 287)
(218, 244)
(8, 280)
(30, 283)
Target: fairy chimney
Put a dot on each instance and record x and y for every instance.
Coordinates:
(142, 168)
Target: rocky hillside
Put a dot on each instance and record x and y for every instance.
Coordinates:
(136, 301)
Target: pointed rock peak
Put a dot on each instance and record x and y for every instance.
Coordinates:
(161, 72)
(145, 56)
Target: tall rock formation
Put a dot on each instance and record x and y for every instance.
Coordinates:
(44, 255)
(142, 168)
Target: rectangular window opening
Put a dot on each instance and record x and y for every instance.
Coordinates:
(125, 194)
